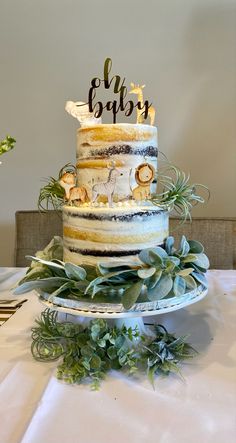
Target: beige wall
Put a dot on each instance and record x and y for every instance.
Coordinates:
(184, 50)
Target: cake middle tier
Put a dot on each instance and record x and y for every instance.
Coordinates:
(102, 234)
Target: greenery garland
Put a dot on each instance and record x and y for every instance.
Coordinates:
(89, 353)
(161, 272)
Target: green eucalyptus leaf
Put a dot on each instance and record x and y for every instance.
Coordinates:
(179, 286)
(75, 272)
(131, 294)
(101, 343)
(146, 272)
(112, 352)
(95, 362)
(120, 340)
(161, 289)
(195, 247)
(86, 364)
(87, 351)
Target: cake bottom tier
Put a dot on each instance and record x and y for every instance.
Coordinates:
(103, 234)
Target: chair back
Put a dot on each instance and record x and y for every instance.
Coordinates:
(218, 236)
(34, 230)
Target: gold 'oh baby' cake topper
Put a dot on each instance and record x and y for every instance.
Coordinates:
(91, 112)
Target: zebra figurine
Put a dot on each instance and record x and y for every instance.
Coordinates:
(106, 188)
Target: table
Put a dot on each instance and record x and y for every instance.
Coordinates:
(35, 407)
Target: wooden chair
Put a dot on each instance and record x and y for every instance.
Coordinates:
(34, 230)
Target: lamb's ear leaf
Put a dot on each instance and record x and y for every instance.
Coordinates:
(105, 278)
(185, 272)
(153, 256)
(75, 272)
(202, 261)
(179, 286)
(146, 272)
(46, 284)
(154, 279)
(131, 294)
(195, 247)
(190, 282)
(184, 247)
(200, 278)
(169, 243)
(62, 288)
(161, 289)
(189, 258)
(50, 264)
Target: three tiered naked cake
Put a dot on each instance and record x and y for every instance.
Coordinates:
(115, 224)
(116, 173)
(116, 260)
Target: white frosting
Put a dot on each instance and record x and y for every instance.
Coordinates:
(79, 259)
(112, 231)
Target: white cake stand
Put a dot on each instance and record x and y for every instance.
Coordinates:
(116, 313)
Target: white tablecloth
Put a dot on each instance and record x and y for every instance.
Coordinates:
(36, 408)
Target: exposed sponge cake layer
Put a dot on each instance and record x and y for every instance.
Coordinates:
(115, 133)
(111, 233)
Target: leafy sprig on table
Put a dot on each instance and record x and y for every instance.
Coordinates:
(7, 144)
(89, 353)
(161, 272)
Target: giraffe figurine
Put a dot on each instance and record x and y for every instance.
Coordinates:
(136, 89)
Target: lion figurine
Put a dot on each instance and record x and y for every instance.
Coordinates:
(144, 176)
(73, 193)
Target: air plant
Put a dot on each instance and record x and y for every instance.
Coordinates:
(177, 193)
(52, 194)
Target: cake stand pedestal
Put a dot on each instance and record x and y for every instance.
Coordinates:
(115, 314)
